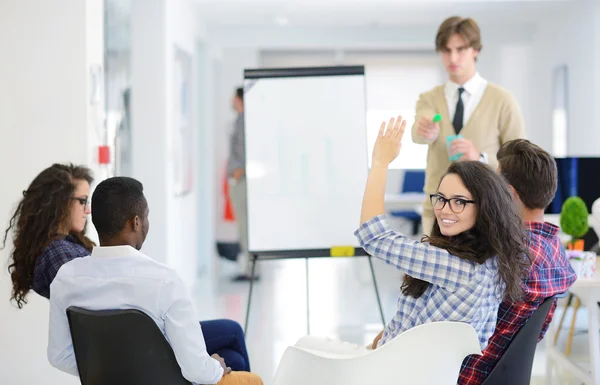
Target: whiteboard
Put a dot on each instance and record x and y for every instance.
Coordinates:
(306, 157)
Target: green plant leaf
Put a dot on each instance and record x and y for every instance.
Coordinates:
(574, 217)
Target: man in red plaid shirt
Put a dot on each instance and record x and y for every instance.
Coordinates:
(532, 175)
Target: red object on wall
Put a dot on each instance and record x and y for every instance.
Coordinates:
(228, 215)
(103, 155)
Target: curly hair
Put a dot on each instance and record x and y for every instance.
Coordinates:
(36, 222)
(498, 232)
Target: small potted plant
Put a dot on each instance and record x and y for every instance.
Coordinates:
(574, 221)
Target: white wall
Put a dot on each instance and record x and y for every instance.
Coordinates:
(297, 37)
(510, 65)
(47, 50)
(149, 116)
(209, 90)
(572, 38)
(158, 26)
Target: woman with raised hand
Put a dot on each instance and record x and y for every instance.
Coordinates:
(475, 256)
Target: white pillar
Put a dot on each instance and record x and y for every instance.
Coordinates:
(149, 116)
(159, 28)
(46, 116)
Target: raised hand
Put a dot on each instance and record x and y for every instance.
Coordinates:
(389, 141)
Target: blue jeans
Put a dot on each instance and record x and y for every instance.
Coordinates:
(226, 338)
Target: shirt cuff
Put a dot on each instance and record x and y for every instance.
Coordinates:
(483, 158)
(372, 228)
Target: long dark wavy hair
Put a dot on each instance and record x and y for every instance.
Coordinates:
(37, 221)
(499, 231)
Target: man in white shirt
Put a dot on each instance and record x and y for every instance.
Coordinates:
(118, 276)
(477, 116)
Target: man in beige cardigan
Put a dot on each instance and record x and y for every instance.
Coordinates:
(484, 114)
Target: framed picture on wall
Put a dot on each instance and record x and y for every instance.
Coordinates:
(560, 111)
(182, 135)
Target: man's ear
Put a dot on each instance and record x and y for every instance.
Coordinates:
(136, 223)
(515, 194)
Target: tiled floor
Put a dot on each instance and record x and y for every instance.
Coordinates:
(342, 306)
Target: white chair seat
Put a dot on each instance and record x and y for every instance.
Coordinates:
(429, 354)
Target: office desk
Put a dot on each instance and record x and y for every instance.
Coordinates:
(588, 291)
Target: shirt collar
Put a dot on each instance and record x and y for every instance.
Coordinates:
(70, 238)
(471, 86)
(115, 251)
(544, 229)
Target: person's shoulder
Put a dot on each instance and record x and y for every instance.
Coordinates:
(158, 269)
(499, 92)
(74, 265)
(546, 250)
(67, 243)
(62, 249)
(435, 91)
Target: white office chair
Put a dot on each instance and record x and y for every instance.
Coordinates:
(429, 354)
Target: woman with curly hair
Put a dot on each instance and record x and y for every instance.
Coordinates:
(48, 228)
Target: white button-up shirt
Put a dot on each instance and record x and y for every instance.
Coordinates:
(121, 277)
(474, 89)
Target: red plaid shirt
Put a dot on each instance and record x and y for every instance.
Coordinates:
(550, 274)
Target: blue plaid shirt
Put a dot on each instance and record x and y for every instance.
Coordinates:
(460, 290)
(56, 254)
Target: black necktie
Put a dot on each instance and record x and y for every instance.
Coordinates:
(459, 113)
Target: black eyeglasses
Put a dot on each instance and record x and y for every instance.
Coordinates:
(457, 205)
(84, 201)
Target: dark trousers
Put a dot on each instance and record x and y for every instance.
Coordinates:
(226, 338)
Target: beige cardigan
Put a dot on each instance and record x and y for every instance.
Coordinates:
(496, 119)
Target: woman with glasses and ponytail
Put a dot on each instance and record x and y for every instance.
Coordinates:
(48, 228)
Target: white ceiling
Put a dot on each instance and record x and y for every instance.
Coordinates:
(372, 12)
(352, 13)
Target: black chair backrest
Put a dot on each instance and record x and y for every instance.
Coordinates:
(114, 347)
(515, 366)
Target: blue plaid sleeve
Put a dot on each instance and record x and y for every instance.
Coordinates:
(417, 259)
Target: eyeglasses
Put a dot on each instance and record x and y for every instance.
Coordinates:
(457, 205)
(83, 201)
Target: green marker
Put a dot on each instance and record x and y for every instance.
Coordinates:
(437, 118)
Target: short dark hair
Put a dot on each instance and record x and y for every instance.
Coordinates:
(530, 170)
(114, 202)
(465, 27)
(239, 92)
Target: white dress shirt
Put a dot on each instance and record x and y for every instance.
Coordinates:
(474, 89)
(121, 277)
